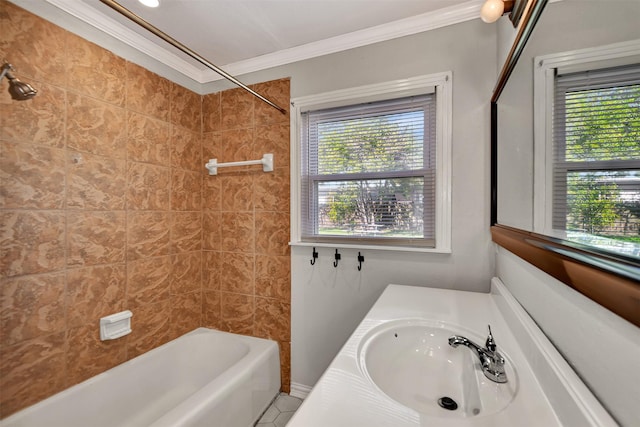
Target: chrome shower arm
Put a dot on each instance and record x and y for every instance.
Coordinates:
(147, 26)
(6, 71)
(20, 91)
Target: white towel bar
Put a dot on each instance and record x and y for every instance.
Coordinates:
(266, 161)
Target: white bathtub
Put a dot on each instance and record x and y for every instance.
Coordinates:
(204, 378)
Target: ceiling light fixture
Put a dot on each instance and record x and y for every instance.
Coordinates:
(150, 3)
(492, 10)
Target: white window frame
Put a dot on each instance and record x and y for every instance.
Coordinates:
(371, 93)
(544, 71)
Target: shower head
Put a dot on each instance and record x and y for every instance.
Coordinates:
(20, 91)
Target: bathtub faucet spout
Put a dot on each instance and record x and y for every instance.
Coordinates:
(491, 361)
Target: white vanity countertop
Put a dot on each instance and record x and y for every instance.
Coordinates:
(345, 396)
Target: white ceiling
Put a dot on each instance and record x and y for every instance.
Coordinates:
(242, 36)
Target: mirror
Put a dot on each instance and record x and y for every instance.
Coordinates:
(523, 192)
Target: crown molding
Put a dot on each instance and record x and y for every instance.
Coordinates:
(403, 27)
(400, 28)
(113, 28)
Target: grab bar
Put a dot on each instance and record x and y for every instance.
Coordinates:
(266, 161)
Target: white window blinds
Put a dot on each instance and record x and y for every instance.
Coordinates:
(369, 172)
(596, 136)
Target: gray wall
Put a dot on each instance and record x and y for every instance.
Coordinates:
(327, 302)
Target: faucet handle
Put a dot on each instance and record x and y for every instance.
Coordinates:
(490, 344)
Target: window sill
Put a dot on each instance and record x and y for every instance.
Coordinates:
(339, 245)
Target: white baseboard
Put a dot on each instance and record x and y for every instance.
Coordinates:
(300, 391)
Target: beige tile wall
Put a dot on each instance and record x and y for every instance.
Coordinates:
(105, 206)
(246, 257)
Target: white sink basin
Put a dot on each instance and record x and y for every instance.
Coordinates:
(398, 363)
(412, 362)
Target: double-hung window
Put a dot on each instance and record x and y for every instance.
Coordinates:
(597, 152)
(593, 156)
(369, 171)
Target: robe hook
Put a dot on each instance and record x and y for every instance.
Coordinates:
(337, 258)
(360, 261)
(314, 256)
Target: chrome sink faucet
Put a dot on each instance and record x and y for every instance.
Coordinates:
(492, 362)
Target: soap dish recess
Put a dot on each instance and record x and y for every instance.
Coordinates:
(116, 325)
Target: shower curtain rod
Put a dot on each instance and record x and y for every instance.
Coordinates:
(135, 18)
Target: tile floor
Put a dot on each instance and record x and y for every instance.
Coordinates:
(280, 411)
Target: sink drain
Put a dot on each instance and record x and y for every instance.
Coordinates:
(448, 403)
